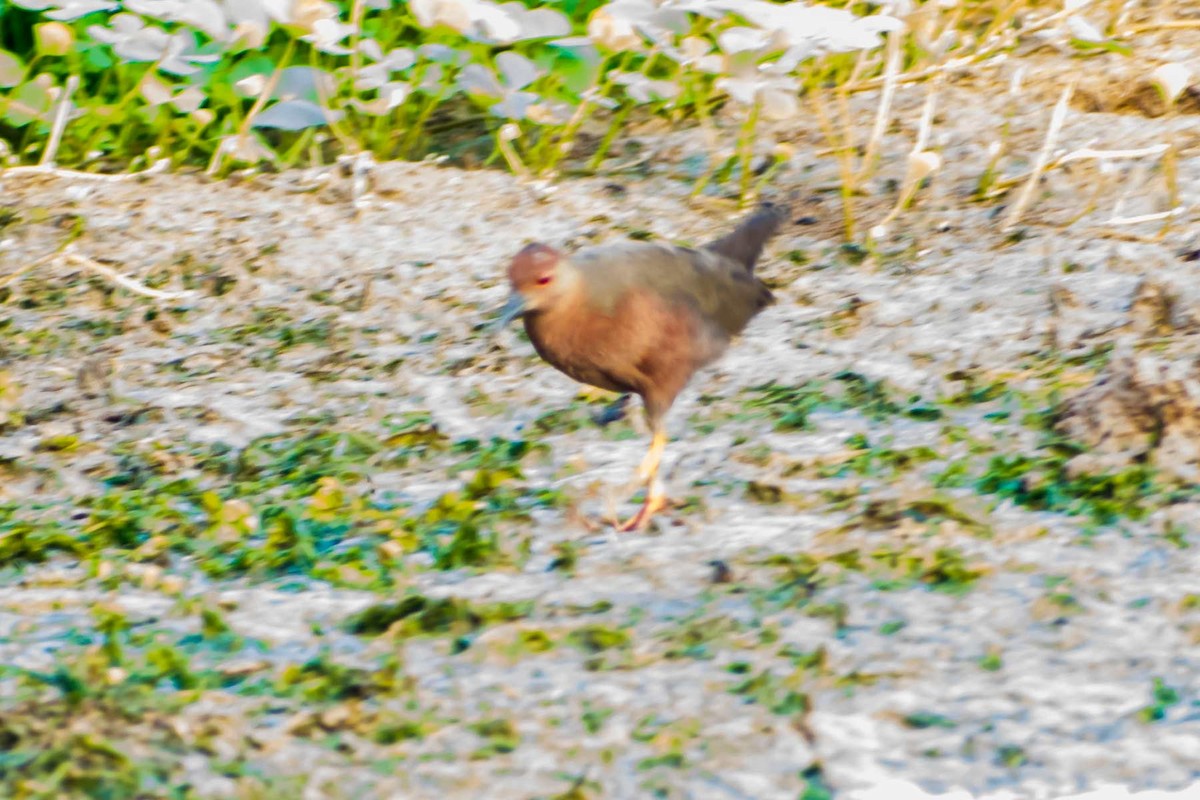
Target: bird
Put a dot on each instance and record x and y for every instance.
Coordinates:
(642, 318)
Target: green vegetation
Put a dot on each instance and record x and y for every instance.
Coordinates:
(200, 83)
(790, 406)
(1043, 483)
(280, 85)
(1041, 480)
(287, 505)
(419, 614)
(118, 681)
(1162, 698)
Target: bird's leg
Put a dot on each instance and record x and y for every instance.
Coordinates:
(656, 498)
(649, 467)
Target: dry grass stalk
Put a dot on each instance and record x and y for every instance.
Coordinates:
(925, 126)
(121, 280)
(162, 165)
(61, 114)
(1083, 153)
(356, 19)
(1102, 185)
(260, 103)
(1166, 25)
(30, 267)
(1110, 155)
(504, 142)
(1170, 168)
(921, 163)
(1140, 218)
(842, 148)
(883, 116)
(63, 252)
(1057, 119)
(990, 45)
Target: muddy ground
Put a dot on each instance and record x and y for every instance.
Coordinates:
(892, 558)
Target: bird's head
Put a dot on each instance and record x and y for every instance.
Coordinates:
(538, 275)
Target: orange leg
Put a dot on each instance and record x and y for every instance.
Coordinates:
(649, 466)
(656, 499)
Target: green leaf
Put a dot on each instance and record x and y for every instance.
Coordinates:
(1107, 46)
(596, 638)
(292, 115)
(29, 103)
(98, 58)
(12, 69)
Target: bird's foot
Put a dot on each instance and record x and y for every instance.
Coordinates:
(613, 412)
(655, 501)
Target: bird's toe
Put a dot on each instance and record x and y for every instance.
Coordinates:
(655, 501)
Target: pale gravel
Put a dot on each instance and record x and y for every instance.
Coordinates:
(1067, 693)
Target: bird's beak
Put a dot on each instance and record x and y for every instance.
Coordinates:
(514, 308)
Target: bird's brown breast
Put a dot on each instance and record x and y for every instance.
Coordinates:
(644, 340)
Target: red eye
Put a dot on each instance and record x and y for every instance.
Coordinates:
(542, 281)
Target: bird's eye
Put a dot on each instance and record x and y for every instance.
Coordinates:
(542, 281)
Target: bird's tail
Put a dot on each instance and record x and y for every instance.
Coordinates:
(745, 244)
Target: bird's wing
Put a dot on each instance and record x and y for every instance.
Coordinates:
(723, 291)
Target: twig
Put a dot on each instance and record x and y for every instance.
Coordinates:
(633, 163)
(49, 169)
(1123, 236)
(63, 251)
(121, 280)
(60, 122)
(1002, 186)
(1111, 155)
(920, 163)
(1174, 212)
(884, 116)
(1057, 118)
(926, 124)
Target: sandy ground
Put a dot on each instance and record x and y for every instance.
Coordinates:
(409, 276)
